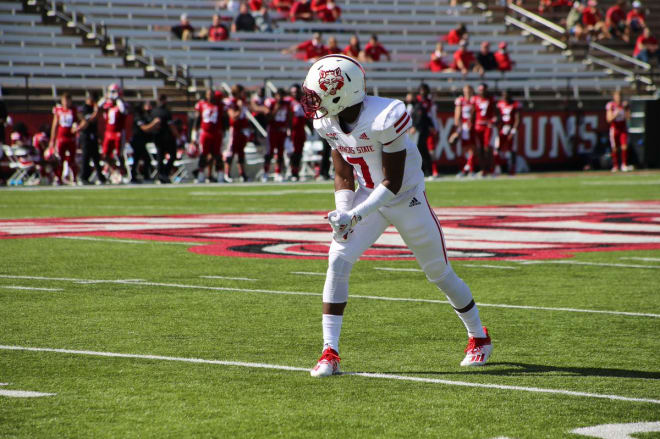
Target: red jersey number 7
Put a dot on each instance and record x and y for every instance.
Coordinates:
(365, 170)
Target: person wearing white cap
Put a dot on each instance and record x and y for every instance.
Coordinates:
(636, 19)
(183, 30)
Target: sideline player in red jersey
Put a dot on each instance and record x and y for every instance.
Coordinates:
(208, 130)
(114, 112)
(464, 128)
(508, 122)
(63, 136)
(483, 127)
(297, 132)
(279, 120)
(237, 108)
(617, 115)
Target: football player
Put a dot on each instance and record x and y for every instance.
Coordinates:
(618, 114)
(66, 123)
(279, 120)
(114, 112)
(464, 128)
(508, 122)
(368, 136)
(208, 133)
(237, 108)
(483, 127)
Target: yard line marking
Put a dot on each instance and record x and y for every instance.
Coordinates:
(228, 278)
(17, 287)
(303, 293)
(307, 273)
(633, 258)
(398, 269)
(595, 264)
(22, 393)
(125, 241)
(359, 374)
(501, 267)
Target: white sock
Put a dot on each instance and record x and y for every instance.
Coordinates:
(331, 331)
(472, 322)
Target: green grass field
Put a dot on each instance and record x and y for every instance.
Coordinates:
(115, 295)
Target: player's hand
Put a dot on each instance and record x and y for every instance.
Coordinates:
(341, 225)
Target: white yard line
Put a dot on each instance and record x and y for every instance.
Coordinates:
(228, 278)
(126, 241)
(303, 293)
(633, 258)
(307, 273)
(360, 374)
(17, 287)
(499, 267)
(22, 393)
(594, 264)
(417, 270)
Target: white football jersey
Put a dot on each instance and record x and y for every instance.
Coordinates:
(380, 122)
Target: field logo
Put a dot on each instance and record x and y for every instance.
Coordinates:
(545, 231)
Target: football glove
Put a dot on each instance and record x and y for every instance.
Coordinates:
(342, 224)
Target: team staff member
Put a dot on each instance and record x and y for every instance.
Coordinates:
(144, 127)
(425, 123)
(165, 138)
(89, 140)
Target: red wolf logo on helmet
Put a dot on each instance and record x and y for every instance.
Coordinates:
(331, 81)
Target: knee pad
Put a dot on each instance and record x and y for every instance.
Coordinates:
(335, 289)
(457, 291)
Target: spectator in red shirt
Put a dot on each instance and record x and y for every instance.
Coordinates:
(615, 21)
(317, 5)
(329, 12)
(301, 10)
(353, 48)
(504, 63)
(373, 50)
(439, 62)
(256, 5)
(455, 36)
(636, 19)
(311, 49)
(592, 21)
(332, 46)
(464, 59)
(282, 7)
(646, 47)
(217, 31)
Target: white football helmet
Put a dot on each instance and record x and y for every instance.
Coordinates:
(114, 91)
(333, 83)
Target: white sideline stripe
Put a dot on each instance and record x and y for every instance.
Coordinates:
(17, 287)
(303, 293)
(228, 278)
(23, 394)
(500, 267)
(360, 374)
(307, 273)
(125, 241)
(595, 264)
(398, 269)
(633, 258)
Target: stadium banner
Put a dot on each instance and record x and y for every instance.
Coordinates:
(544, 137)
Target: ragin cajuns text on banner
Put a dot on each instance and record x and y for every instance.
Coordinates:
(544, 137)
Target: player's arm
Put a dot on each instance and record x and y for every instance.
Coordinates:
(457, 116)
(53, 130)
(627, 112)
(611, 114)
(344, 182)
(516, 122)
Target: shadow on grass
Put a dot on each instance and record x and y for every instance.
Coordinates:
(526, 369)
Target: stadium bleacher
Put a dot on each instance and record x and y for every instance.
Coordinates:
(139, 28)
